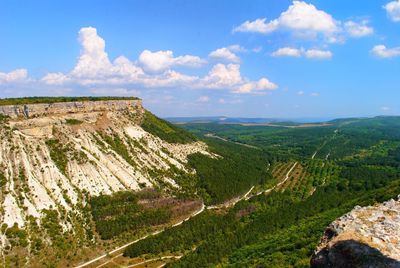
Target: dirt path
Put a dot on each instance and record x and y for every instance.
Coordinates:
(286, 177)
(155, 259)
(325, 142)
(313, 156)
(277, 185)
(232, 202)
(228, 204)
(210, 135)
(110, 260)
(137, 240)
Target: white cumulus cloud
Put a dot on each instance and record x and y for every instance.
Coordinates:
(95, 72)
(305, 20)
(162, 60)
(300, 52)
(17, 75)
(94, 65)
(55, 78)
(360, 29)
(237, 48)
(393, 10)
(318, 54)
(256, 87)
(224, 54)
(299, 17)
(223, 76)
(228, 77)
(382, 51)
(93, 60)
(287, 52)
(257, 26)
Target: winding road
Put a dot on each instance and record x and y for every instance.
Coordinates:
(203, 207)
(278, 184)
(228, 204)
(210, 135)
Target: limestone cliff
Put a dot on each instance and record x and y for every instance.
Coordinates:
(53, 156)
(365, 237)
(47, 109)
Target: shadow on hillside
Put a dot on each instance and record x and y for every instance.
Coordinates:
(351, 254)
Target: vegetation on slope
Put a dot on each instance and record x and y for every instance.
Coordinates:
(294, 245)
(35, 100)
(121, 212)
(342, 138)
(118, 146)
(238, 169)
(58, 153)
(282, 229)
(3, 119)
(356, 163)
(281, 142)
(165, 130)
(270, 228)
(3, 179)
(73, 121)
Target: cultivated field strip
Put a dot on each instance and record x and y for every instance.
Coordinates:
(303, 179)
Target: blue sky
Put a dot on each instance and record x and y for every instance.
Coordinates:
(201, 58)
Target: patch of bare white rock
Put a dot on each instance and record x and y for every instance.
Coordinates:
(105, 171)
(376, 226)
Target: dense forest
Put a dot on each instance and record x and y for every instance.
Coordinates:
(341, 165)
(237, 169)
(268, 192)
(232, 173)
(270, 227)
(121, 212)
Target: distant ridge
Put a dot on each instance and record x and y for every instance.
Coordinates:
(244, 120)
(272, 121)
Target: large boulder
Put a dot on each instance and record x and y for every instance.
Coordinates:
(365, 237)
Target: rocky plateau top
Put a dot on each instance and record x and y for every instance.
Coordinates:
(46, 109)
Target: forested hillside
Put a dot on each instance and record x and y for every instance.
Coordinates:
(321, 173)
(117, 185)
(75, 182)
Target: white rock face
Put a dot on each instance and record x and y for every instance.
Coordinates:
(360, 233)
(379, 225)
(46, 109)
(34, 181)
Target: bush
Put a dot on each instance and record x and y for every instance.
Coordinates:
(58, 153)
(73, 122)
(120, 212)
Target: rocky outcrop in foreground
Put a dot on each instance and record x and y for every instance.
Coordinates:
(365, 237)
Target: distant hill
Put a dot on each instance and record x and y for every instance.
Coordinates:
(277, 121)
(244, 120)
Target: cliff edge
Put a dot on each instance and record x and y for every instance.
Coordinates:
(46, 109)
